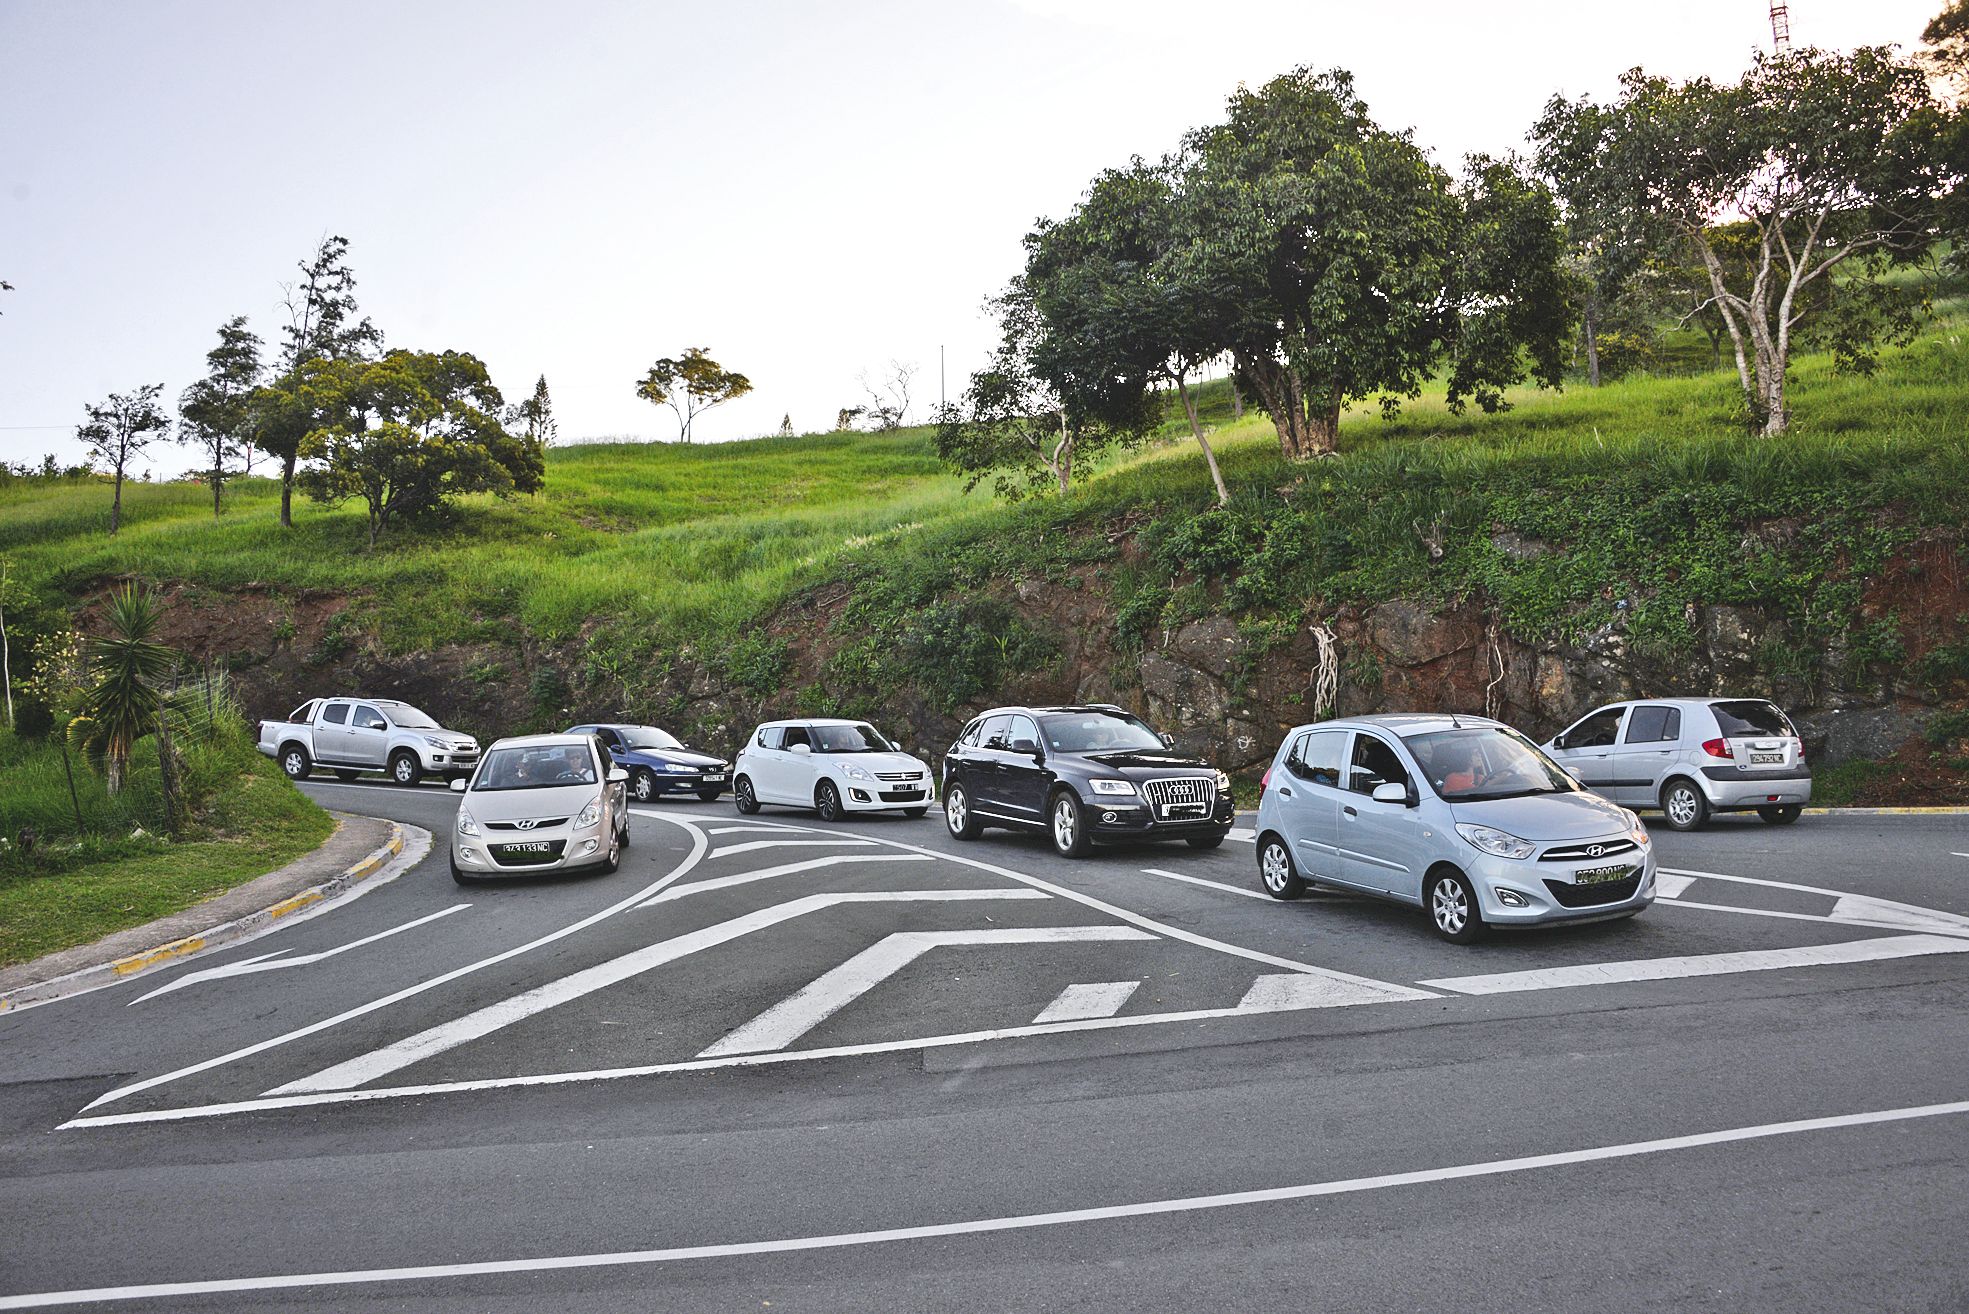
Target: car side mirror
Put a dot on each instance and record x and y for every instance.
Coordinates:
(1168, 740)
(1024, 748)
(1560, 742)
(801, 749)
(458, 784)
(616, 775)
(1391, 792)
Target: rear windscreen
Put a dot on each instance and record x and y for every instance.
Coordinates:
(1751, 717)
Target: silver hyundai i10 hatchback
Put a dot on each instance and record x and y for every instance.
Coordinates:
(1461, 816)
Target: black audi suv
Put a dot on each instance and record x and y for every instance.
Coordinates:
(1082, 775)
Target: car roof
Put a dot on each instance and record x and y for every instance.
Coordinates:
(1680, 702)
(544, 741)
(813, 720)
(1405, 724)
(1047, 710)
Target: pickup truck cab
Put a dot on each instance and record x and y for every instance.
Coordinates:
(352, 735)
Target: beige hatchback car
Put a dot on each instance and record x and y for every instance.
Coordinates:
(540, 803)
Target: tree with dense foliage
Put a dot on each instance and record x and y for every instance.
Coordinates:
(322, 325)
(128, 669)
(535, 416)
(690, 385)
(1947, 39)
(1824, 169)
(118, 431)
(408, 433)
(216, 413)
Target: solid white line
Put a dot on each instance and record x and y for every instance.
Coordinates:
(1007, 1223)
(1389, 989)
(1218, 886)
(833, 990)
(747, 877)
(698, 845)
(399, 789)
(1667, 969)
(365, 1068)
(750, 846)
(765, 827)
(1094, 999)
(273, 962)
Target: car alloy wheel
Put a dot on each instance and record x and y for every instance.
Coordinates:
(1684, 806)
(295, 763)
(957, 813)
(742, 796)
(404, 769)
(1453, 909)
(828, 800)
(643, 786)
(1069, 828)
(1275, 870)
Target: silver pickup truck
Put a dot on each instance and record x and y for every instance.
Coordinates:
(352, 735)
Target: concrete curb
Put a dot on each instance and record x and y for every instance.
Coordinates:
(404, 847)
(1885, 812)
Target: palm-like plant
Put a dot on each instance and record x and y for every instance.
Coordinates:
(130, 667)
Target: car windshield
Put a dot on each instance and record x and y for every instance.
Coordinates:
(647, 736)
(1099, 732)
(1750, 717)
(549, 767)
(858, 738)
(1484, 762)
(409, 718)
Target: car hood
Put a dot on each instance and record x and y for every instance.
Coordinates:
(450, 736)
(1150, 760)
(1543, 818)
(875, 762)
(521, 804)
(659, 756)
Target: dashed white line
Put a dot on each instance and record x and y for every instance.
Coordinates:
(1005, 1223)
(377, 1063)
(1091, 999)
(1667, 969)
(833, 990)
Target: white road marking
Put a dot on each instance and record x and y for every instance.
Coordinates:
(1094, 999)
(833, 990)
(1936, 929)
(1389, 989)
(274, 962)
(365, 1068)
(1668, 885)
(755, 828)
(1665, 969)
(1874, 912)
(1218, 886)
(1287, 991)
(752, 846)
(1005, 1223)
(747, 877)
(1242, 833)
(399, 789)
(1959, 855)
(698, 846)
(1902, 909)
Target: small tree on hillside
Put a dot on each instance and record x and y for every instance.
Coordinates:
(215, 413)
(888, 395)
(534, 417)
(118, 431)
(786, 425)
(690, 385)
(128, 668)
(1836, 162)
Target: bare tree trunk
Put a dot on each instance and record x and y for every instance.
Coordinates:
(167, 780)
(74, 800)
(6, 657)
(1591, 321)
(1237, 398)
(287, 492)
(217, 483)
(116, 503)
(1209, 457)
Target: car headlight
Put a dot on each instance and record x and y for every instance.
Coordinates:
(1223, 782)
(1635, 830)
(856, 773)
(1112, 786)
(590, 815)
(466, 826)
(1501, 843)
(678, 769)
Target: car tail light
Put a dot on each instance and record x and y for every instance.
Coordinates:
(1265, 781)
(1717, 748)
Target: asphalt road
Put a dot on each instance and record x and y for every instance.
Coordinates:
(777, 1063)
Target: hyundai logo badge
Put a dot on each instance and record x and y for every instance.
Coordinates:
(1595, 850)
(526, 825)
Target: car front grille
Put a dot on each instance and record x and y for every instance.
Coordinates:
(1181, 796)
(1591, 896)
(534, 858)
(902, 796)
(544, 823)
(1612, 848)
(898, 775)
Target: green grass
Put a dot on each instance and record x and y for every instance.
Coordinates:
(245, 820)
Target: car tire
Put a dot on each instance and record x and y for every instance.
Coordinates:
(1683, 805)
(1276, 870)
(1783, 814)
(295, 762)
(1205, 841)
(827, 801)
(742, 796)
(708, 795)
(916, 814)
(1453, 910)
(613, 861)
(642, 785)
(1066, 823)
(347, 775)
(957, 815)
(405, 769)
(623, 835)
(461, 876)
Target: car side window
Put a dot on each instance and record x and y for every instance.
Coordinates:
(1597, 730)
(1654, 725)
(769, 736)
(1316, 757)
(302, 713)
(335, 714)
(796, 734)
(368, 718)
(608, 762)
(996, 733)
(1023, 727)
(970, 736)
(1374, 763)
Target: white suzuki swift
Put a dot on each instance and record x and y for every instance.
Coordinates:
(835, 767)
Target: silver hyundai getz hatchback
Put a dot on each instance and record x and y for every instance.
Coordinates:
(1462, 816)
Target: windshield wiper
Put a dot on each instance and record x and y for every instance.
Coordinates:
(1498, 794)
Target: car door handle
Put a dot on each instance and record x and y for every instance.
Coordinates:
(1350, 810)
(1285, 791)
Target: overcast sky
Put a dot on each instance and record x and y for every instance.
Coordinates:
(577, 188)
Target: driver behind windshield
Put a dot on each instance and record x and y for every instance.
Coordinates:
(1483, 763)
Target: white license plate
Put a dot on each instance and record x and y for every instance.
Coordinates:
(1767, 759)
(714, 780)
(539, 846)
(1601, 875)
